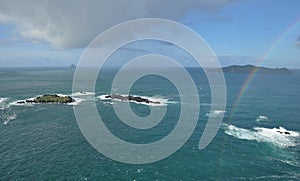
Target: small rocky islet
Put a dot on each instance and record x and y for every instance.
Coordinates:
(54, 98)
(131, 98)
(49, 98)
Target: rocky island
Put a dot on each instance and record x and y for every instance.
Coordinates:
(251, 68)
(49, 99)
(131, 98)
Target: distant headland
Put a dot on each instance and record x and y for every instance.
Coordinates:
(251, 68)
(72, 67)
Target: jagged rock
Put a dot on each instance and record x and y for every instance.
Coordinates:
(131, 98)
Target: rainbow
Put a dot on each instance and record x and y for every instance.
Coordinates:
(267, 53)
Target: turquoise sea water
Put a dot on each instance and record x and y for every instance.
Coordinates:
(43, 141)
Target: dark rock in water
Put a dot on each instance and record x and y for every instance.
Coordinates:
(131, 98)
(285, 132)
(21, 102)
(51, 99)
(30, 101)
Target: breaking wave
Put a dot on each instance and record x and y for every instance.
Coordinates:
(9, 118)
(82, 93)
(280, 137)
(262, 118)
(7, 115)
(3, 104)
(215, 113)
(80, 97)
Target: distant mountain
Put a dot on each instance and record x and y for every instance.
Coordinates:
(251, 68)
(72, 66)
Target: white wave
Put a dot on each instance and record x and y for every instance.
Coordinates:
(206, 104)
(110, 103)
(9, 118)
(278, 136)
(163, 101)
(3, 104)
(261, 118)
(172, 102)
(215, 113)
(2, 99)
(280, 131)
(82, 93)
(103, 97)
(62, 95)
(17, 102)
(76, 102)
(219, 111)
(286, 161)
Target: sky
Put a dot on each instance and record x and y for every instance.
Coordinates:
(56, 33)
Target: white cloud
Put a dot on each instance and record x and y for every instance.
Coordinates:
(73, 24)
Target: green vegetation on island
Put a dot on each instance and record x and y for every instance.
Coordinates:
(49, 99)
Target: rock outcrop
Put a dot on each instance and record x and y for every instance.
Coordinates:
(49, 99)
(131, 98)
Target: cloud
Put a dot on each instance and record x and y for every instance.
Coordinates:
(73, 24)
(297, 42)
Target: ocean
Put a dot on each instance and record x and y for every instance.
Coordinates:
(44, 141)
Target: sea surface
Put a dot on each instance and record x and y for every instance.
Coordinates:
(44, 142)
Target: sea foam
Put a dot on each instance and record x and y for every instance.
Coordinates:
(82, 93)
(9, 118)
(262, 118)
(280, 137)
(215, 113)
(3, 104)
(7, 115)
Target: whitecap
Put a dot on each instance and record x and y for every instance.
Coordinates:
(206, 104)
(82, 93)
(103, 97)
(2, 99)
(62, 95)
(219, 111)
(3, 103)
(7, 115)
(280, 137)
(76, 102)
(9, 118)
(261, 118)
(18, 102)
(215, 113)
(295, 164)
